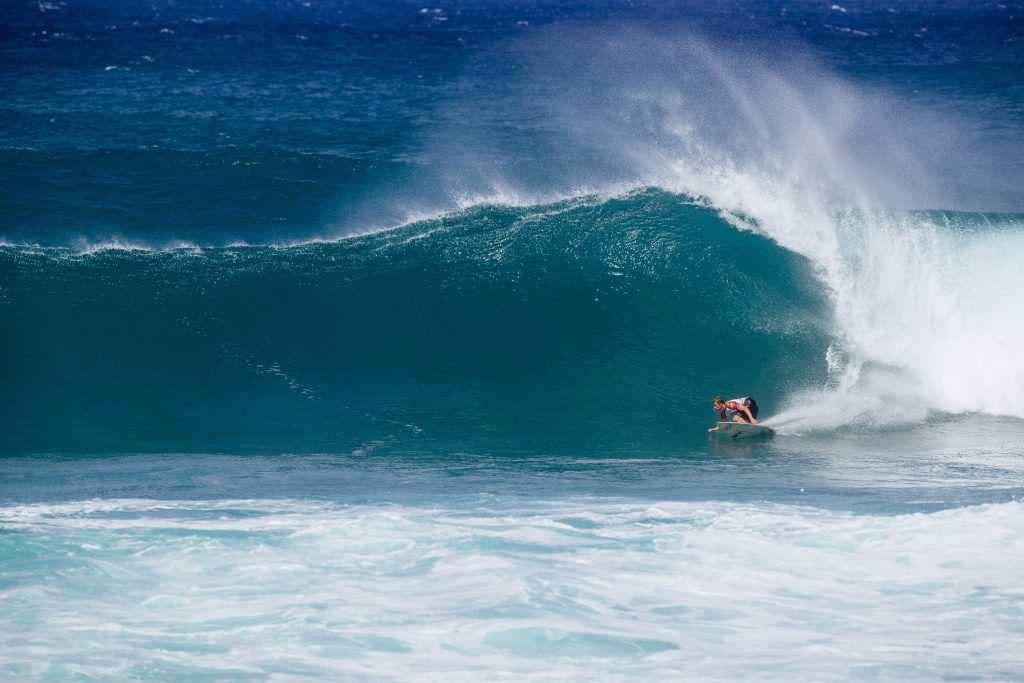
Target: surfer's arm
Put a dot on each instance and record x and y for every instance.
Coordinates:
(713, 429)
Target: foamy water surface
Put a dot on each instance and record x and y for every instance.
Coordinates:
(492, 588)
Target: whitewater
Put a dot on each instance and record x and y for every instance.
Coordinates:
(496, 589)
(364, 343)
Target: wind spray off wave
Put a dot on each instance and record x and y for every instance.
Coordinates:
(853, 177)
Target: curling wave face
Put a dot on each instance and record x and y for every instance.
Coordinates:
(600, 320)
(596, 319)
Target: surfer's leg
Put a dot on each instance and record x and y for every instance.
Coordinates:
(752, 406)
(739, 418)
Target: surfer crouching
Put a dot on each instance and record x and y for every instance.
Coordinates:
(737, 410)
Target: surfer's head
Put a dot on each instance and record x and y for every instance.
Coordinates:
(718, 402)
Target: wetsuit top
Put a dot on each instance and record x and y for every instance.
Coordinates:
(732, 407)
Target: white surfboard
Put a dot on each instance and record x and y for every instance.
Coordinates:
(742, 430)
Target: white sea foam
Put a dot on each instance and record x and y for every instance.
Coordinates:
(484, 589)
(922, 319)
(922, 312)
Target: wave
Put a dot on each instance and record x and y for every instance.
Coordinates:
(835, 171)
(609, 320)
(596, 268)
(600, 320)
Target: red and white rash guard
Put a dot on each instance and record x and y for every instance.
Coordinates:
(732, 407)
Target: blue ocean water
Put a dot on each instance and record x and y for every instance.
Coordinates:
(376, 341)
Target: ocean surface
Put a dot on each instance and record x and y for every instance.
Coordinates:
(376, 341)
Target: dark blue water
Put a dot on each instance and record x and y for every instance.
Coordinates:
(376, 341)
(273, 121)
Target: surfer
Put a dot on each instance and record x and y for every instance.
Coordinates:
(734, 410)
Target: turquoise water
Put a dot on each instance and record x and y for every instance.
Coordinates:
(377, 342)
(573, 323)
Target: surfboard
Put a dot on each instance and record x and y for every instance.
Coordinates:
(742, 430)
